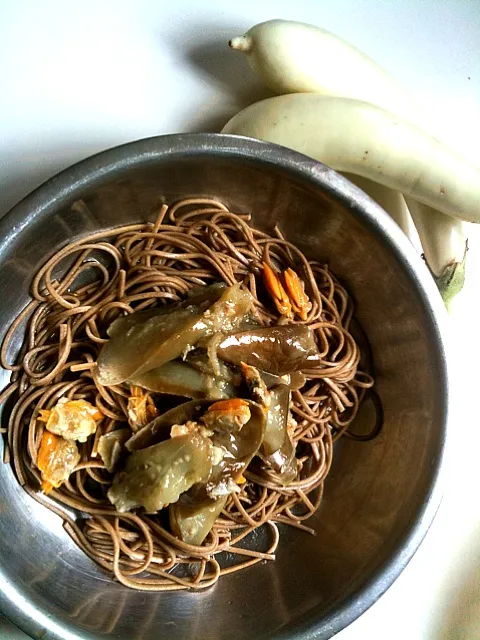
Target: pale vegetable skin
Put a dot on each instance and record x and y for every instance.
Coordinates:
(183, 379)
(193, 522)
(445, 247)
(360, 138)
(443, 240)
(293, 57)
(159, 429)
(393, 202)
(285, 55)
(277, 448)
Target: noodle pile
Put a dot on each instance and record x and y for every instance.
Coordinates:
(75, 297)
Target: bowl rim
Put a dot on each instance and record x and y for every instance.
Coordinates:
(60, 189)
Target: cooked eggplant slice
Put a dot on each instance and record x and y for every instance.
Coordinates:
(198, 296)
(277, 419)
(277, 448)
(194, 515)
(278, 350)
(136, 348)
(184, 378)
(159, 429)
(194, 454)
(111, 445)
(156, 476)
(192, 521)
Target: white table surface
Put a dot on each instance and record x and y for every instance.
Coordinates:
(78, 77)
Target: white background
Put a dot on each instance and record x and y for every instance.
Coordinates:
(78, 77)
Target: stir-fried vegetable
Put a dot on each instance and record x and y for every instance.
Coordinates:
(186, 378)
(71, 419)
(193, 456)
(199, 296)
(193, 520)
(238, 428)
(159, 429)
(193, 516)
(277, 416)
(277, 350)
(158, 475)
(110, 447)
(196, 468)
(56, 460)
(136, 348)
(295, 380)
(126, 353)
(277, 448)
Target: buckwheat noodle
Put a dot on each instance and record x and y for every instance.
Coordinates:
(75, 297)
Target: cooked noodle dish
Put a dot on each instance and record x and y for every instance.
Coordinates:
(179, 390)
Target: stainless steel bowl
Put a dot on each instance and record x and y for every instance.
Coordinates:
(380, 497)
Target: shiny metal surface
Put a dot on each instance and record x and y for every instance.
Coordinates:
(380, 496)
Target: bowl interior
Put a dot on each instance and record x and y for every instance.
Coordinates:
(377, 492)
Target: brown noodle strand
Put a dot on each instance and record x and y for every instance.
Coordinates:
(112, 273)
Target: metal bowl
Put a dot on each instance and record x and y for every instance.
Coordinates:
(380, 496)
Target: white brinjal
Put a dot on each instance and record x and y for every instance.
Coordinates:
(286, 56)
(294, 57)
(445, 247)
(361, 138)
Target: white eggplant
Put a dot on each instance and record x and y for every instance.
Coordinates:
(445, 247)
(360, 138)
(286, 56)
(294, 57)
